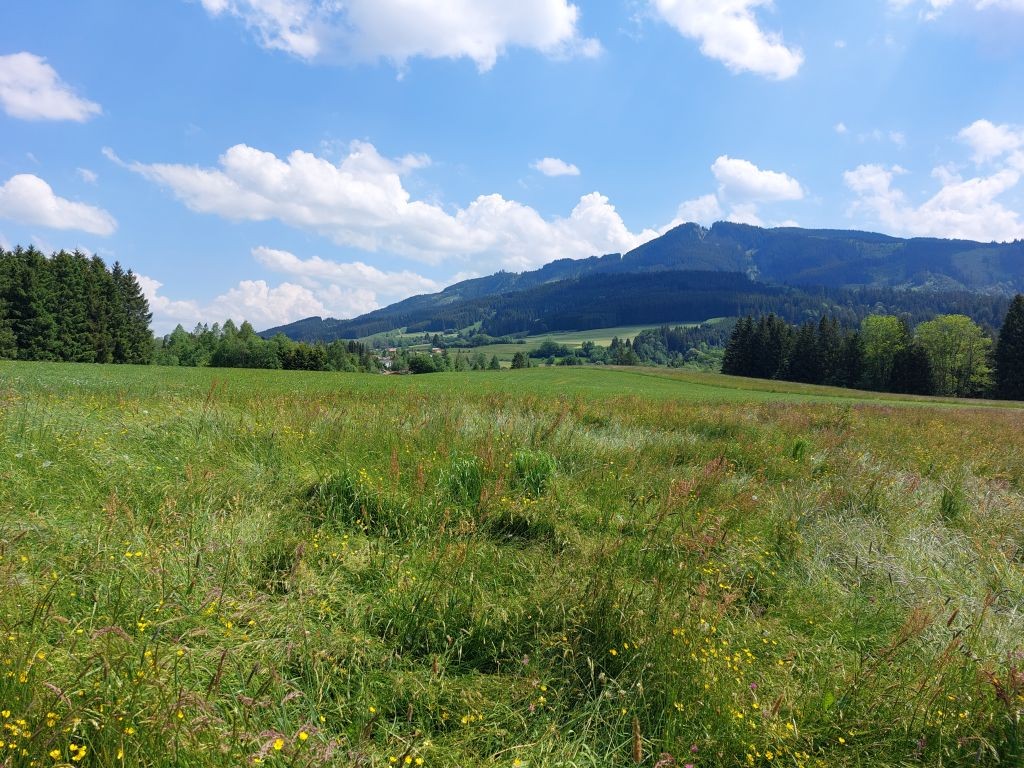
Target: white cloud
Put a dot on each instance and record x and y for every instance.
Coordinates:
(969, 208)
(30, 89)
(840, 44)
(89, 177)
(729, 31)
(841, 128)
(990, 141)
(962, 208)
(552, 166)
(316, 272)
(745, 213)
(742, 186)
(362, 202)
(253, 300)
(742, 180)
(399, 30)
(313, 286)
(27, 199)
(704, 210)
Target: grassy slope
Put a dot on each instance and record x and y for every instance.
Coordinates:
(198, 566)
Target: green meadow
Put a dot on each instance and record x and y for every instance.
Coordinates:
(572, 339)
(545, 567)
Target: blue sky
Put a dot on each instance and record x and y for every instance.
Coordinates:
(276, 159)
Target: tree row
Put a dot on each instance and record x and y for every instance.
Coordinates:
(950, 355)
(71, 307)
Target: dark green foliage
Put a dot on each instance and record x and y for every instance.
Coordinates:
(700, 345)
(70, 307)
(519, 360)
(884, 354)
(806, 362)
(1009, 354)
(233, 347)
(422, 364)
(759, 350)
(912, 371)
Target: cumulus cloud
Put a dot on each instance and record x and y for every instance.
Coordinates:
(841, 128)
(728, 30)
(27, 199)
(962, 208)
(743, 181)
(704, 210)
(990, 141)
(313, 286)
(742, 187)
(552, 166)
(399, 30)
(968, 208)
(30, 89)
(362, 202)
(317, 272)
(254, 300)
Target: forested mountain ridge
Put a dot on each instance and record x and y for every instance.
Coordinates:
(823, 259)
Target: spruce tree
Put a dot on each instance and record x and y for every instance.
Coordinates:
(1009, 354)
(805, 360)
(830, 349)
(737, 360)
(35, 330)
(912, 371)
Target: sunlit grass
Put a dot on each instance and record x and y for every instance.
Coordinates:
(542, 568)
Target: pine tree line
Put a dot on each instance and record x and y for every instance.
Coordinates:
(949, 355)
(70, 307)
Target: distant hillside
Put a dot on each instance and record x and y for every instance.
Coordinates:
(770, 258)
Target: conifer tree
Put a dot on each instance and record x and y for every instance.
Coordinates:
(912, 371)
(805, 360)
(1009, 354)
(737, 360)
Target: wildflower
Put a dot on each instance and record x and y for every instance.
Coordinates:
(303, 735)
(278, 745)
(373, 710)
(55, 754)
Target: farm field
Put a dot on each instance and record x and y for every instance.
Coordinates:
(546, 567)
(572, 339)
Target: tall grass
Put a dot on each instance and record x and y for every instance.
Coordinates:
(241, 568)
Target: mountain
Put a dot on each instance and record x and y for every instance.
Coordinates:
(769, 259)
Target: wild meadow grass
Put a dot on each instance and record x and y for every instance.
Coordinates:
(214, 568)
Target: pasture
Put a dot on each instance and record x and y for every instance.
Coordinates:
(546, 567)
